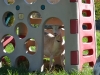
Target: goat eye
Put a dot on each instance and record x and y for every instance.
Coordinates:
(58, 41)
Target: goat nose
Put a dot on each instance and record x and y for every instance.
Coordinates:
(55, 34)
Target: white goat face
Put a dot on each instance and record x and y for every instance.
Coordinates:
(58, 38)
(56, 30)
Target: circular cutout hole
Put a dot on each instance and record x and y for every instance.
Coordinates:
(21, 30)
(8, 42)
(35, 19)
(31, 46)
(30, 1)
(42, 7)
(17, 7)
(5, 61)
(22, 61)
(9, 2)
(8, 19)
(53, 1)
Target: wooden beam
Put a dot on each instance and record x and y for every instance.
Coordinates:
(52, 21)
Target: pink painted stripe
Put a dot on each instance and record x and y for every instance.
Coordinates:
(7, 41)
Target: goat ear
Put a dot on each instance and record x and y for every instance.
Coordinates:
(61, 26)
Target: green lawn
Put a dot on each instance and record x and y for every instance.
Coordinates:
(22, 71)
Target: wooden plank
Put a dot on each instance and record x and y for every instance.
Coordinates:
(52, 21)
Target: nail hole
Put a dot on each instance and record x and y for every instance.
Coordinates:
(17, 7)
(42, 7)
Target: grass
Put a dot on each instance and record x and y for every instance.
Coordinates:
(9, 48)
(5, 70)
(21, 71)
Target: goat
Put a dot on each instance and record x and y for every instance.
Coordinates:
(53, 45)
(57, 31)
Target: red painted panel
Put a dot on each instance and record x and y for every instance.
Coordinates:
(74, 57)
(73, 0)
(73, 26)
